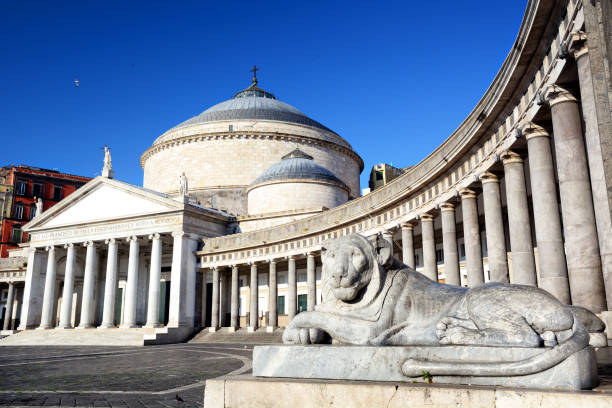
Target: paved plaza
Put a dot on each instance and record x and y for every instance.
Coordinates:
(156, 376)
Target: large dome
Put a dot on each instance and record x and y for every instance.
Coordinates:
(253, 103)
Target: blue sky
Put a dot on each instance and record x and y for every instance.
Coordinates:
(393, 78)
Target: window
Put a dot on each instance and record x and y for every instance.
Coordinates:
(32, 211)
(57, 193)
(302, 300)
(462, 251)
(379, 175)
(21, 187)
(19, 211)
(37, 190)
(280, 305)
(439, 255)
(17, 235)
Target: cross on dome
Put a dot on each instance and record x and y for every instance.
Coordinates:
(254, 71)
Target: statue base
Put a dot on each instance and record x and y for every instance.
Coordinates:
(368, 363)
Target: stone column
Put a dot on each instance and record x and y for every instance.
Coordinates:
(581, 242)
(87, 305)
(253, 299)
(408, 244)
(131, 287)
(66, 310)
(235, 300)
(272, 298)
(33, 290)
(183, 280)
(430, 267)
(154, 282)
(311, 280)
(8, 313)
(387, 235)
(494, 225)
(110, 286)
(214, 312)
(291, 289)
(471, 238)
(547, 220)
(523, 261)
(449, 242)
(593, 142)
(46, 320)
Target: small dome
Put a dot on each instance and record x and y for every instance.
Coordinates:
(295, 166)
(253, 103)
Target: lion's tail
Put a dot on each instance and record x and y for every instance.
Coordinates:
(538, 363)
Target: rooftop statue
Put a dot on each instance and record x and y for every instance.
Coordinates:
(183, 187)
(107, 170)
(370, 298)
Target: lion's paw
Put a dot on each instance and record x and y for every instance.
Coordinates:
(451, 330)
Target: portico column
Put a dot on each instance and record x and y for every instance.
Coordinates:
(235, 300)
(581, 242)
(87, 304)
(523, 261)
(253, 299)
(449, 242)
(131, 287)
(430, 267)
(311, 281)
(272, 300)
(181, 310)
(291, 289)
(494, 225)
(110, 286)
(593, 141)
(49, 296)
(387, 235)
(408, 244)
(8, 312)
(214, 312)
(66, 310)
(31, 306)
(154, 282)
(471, 238)
(547, 219)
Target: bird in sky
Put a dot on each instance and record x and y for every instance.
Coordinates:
(76, 82)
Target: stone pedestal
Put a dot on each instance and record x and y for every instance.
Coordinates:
(368, 363)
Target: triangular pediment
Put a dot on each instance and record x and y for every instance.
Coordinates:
(103, 199)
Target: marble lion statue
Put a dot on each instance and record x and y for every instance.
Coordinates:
(370, 298)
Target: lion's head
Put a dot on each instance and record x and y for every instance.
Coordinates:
(350, 263)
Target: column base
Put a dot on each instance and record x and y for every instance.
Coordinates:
(251, 329)
(44, 327)
(85, 326)
(270, 329)
(106, 326)
(64, 328)
(232, 329)
(212, 329)
(7, 332)
(152, 325)
(128, 326)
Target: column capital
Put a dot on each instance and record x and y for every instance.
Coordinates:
(531, 130)
(509, 157)
(577, 44)
(407, 225)
(69, 245)
(155, 236)
(290, 257)
(253, 263)
(50, 248)
(555, 94)
(310, 254)
(386, 232)
(110, 241)
(131, 238)
(426, 217)
(271, 261)
(235, 266)
(88, 244)
(466, 193)
(446, 206)
(488, 177)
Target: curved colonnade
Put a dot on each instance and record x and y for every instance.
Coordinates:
(516, 194)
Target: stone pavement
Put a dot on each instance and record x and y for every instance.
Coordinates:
(115, 376)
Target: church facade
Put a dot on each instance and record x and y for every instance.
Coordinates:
(518, 193)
